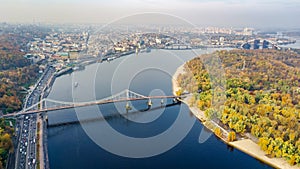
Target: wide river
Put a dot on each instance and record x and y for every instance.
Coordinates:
(162, 137)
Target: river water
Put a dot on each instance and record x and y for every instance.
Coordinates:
(93, 144)
(294, 45)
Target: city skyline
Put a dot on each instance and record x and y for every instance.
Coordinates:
(228, 13)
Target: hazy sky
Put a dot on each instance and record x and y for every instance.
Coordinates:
(235, 13)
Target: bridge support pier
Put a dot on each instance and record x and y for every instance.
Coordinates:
(149, 103)
(161, 102)
(175, 100)
(128, 107)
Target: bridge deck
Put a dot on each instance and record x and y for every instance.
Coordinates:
(97, 102)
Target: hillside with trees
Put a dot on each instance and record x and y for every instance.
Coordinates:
(262, 94)
(16, 73)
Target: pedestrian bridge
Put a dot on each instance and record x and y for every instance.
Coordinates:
(47, 104)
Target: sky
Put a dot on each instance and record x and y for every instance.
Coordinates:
(226, 13)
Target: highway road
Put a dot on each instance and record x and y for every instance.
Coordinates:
(26, 127)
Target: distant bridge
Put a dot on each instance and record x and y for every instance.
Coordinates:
(260, 43)
(126, 95)
(178, 47)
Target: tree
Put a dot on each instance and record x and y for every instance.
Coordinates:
(211, 113)
(179, 92)
(263, 143)
(240, 126)
(218, 132)
(231, 136)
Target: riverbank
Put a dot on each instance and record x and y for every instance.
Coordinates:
(245, 145)
(198, 113)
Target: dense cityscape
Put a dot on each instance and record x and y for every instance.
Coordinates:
(61, 46)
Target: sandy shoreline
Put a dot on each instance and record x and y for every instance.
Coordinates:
(180, 70)
(251, 148)
(246, 145)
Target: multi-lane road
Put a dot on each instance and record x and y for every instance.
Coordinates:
(26, 127)
(26, 149)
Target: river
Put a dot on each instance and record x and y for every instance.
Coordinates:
(74, 146)
(293, 45)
